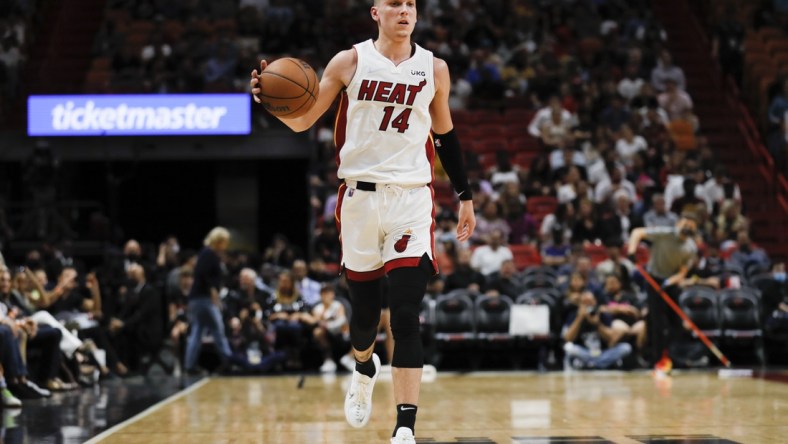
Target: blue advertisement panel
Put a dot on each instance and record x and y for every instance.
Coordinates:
(139, 115)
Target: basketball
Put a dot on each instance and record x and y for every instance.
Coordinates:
(289, 87)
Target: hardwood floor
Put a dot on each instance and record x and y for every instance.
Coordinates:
(479, 408)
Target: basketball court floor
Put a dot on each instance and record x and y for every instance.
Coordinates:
(576, 407)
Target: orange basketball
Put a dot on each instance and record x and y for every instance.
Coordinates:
(289, 87)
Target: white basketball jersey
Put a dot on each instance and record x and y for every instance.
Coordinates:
(383, 123)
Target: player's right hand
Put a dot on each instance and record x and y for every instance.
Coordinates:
(255, 81)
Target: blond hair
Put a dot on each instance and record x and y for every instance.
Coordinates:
(216, 235)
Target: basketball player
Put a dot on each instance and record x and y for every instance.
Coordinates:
(393, 93)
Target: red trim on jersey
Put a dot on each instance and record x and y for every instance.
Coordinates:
(338, 215)
(365, 276)
(340, 124)
(432, 233)
(402, 262)
(430, 148)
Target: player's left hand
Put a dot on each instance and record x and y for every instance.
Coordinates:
(255, 81)
(466, 221)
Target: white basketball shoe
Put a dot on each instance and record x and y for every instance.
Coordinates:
(358, 400)
(404, 435)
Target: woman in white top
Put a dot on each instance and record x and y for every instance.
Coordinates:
(330, 323)
(629, 144)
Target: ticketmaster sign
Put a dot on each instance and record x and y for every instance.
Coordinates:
(139, 115)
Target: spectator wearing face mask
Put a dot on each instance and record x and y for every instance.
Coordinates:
(747, 254)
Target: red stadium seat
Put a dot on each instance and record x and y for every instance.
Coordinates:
(492, 146)
(597, 253)
(523, 159)
(525, 143)
(541, 206)
(489, 131)
(525, 256)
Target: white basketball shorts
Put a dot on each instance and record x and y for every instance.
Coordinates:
(385, 229)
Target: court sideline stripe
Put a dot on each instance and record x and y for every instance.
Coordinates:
(176, 396)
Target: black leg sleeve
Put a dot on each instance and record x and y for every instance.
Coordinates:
(406, 291)
(365, 302)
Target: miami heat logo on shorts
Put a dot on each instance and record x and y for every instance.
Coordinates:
(402, 241)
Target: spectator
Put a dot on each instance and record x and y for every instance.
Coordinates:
(491, 220)
(251, 351)
(177, 306)
(331, 329)
(658, 215)
(167, 259)
(616, 181)
(628, 145)
(626, 310)
(675, 182)
(545, 115)
(464, 276)
(629, 87)
(591, 343)
(504, 173)
(615, 114)
(555, 131)
(287, 319)
(675, 101)
(689, 201)
(615, 264)
(7, 399)
(187, 259)
(563, 159)
(281, 252)
(137, 329)
(567, 192)
(562, 220)
(666, 71)
(116, 271)
(204, 313)
(556, 253)
(326, 244)
(487, 259)
(719, 188)
(504, 282)
(219, 68)
(31, 336)
(747, 255)
(14, 366)
(319, 272)
(586, 228)
(307, 288)
(730, 221)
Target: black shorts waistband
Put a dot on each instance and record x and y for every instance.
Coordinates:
(365, 186)
(371, 186)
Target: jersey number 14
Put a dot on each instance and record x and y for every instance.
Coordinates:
(400, 122)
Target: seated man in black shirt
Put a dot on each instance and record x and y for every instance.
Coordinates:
(464, 276)
(246, 296)
(138, 324)
(591, 343)
(504, 282)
